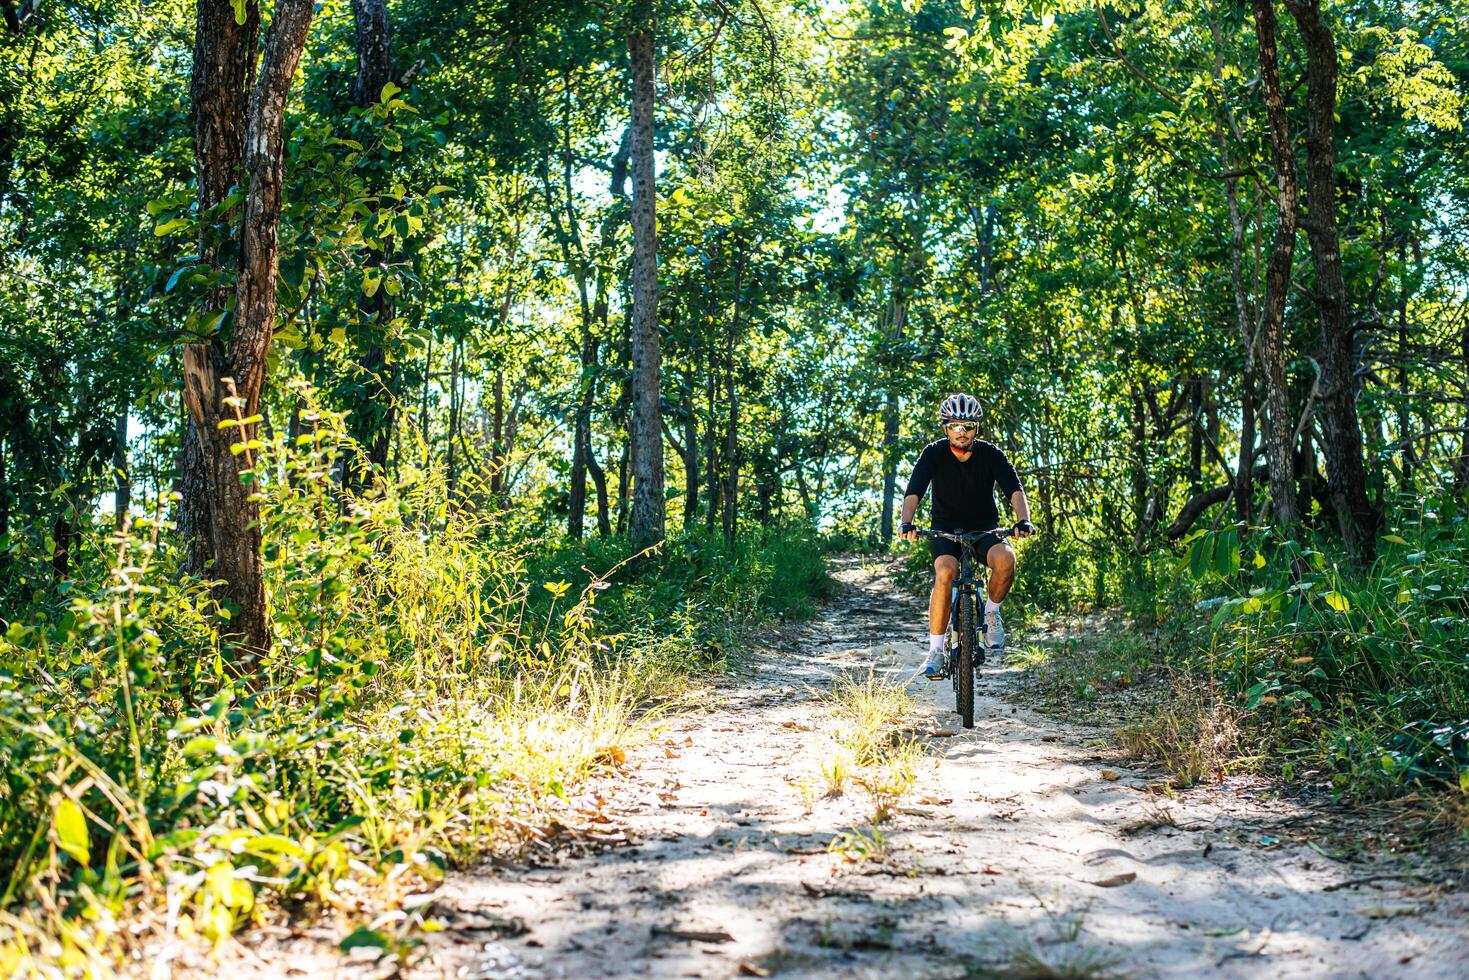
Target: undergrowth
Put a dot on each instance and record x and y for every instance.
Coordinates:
(436, 690)
(1278, 655)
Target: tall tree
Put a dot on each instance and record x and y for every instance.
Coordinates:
(219, 90)
(646, 431)
(1340, 429)
(1280, 436)
(224, 379)
(373, 419)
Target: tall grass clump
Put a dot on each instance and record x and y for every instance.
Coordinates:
(433, 693)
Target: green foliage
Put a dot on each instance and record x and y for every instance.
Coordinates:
(432, 692)
(1361, 671)
(693, 589)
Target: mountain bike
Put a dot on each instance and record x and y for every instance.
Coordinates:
(963, 648)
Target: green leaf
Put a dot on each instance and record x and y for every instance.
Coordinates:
(171, 226)
(363, 937)
(1200, 557)
(1394, 539)
(269, 844)
(293, 270)
(71, 831)
(1226, 554)
(1338, 601)
(239, 6)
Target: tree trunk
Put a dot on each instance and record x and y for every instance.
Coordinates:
(1142, 502)
(624, 478)
(1306, 472)
(372, 422)
(1224, 127)
(599, 479)
(582, 438)
(1196, 435)
(890, 429)
(226, 390)
(1281, 432)
(646, 431)
(1341, 432)
(63, 533)
(1461, 471)
(374, 51)
(711, 452)
(4, 500)
(123, 485)
(731, 450)
(732, 405)
(1244, 484)
(219, 96)
(451, 453)
(497, 437)
(691, 458)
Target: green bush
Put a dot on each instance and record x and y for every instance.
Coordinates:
(1360, 672)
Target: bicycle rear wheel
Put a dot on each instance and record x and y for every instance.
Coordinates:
(963, 666)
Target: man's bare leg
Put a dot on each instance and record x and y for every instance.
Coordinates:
(1001, 560)
(945, 570)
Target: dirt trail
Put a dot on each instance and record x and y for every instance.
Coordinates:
(996, 857)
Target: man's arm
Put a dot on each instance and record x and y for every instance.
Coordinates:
(1021, 507)
(917, 487)
(1009, 482)
(910, 507)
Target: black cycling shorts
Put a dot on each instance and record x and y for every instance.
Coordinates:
(979, 548)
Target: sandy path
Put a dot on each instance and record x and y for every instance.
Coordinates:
(994, 859)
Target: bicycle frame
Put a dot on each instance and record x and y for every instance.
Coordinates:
(965, 649)
(967, 582)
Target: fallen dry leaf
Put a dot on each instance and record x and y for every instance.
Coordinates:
(751, 970)
(1111, 775)
(991, 871)
(1115, 880)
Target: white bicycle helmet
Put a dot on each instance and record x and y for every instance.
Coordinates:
(959, 407)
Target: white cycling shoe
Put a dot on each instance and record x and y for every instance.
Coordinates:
(994, 631)
(936, 667)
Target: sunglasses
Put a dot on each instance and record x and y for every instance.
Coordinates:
(964, 427)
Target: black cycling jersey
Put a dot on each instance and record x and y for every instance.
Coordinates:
(963, 490)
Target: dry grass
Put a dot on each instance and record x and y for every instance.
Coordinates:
(1196, 734)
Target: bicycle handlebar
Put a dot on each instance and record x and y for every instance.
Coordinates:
(958, 537)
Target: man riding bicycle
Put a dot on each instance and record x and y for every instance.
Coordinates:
(964, 470)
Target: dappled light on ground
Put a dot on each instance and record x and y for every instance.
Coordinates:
(1024, 845)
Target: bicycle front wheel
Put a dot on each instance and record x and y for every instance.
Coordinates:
(963, 666)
